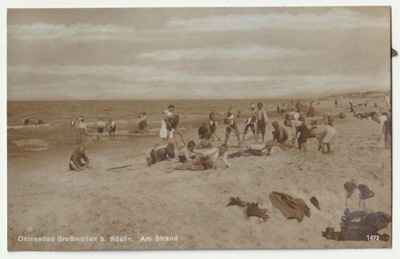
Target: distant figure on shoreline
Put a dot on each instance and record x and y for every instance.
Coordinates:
(76, 163)
(39, 123)
(100, 128)
(142, 122)
(25, 121)
(111, 128)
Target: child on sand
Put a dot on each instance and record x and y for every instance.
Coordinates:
(76, 163)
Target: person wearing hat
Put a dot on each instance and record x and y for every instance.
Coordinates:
(279, 134)
(79, 160)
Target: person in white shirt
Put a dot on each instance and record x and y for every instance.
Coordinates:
(100, 128)
(207, 160)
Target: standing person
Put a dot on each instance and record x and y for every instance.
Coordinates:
(231, 125)
(163, 130)
(82, 130)
(172, 124)
(385, 128)
(324, 135)
(142, 123)
(262, 122)
(76, 163)
(283, 108)
(112, 128)
(336, 102)
(213, 125)
(100, 128)
(250, 123)
(294, 125)
(252, 107)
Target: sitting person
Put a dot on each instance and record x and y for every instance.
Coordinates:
(203, 131)
(205, 142)
(186, 153)
(207, 160)
(76, 163)
(255, 150)
(280, 134)
(161, 153)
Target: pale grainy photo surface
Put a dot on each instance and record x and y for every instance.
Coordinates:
(199, 128)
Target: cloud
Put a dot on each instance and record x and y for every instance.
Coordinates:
(250, 52)
(76, 32)
(118, 82)
(336, 18)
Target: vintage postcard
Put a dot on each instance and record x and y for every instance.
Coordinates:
(199, 128)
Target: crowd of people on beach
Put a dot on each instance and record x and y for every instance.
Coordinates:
(208, 152)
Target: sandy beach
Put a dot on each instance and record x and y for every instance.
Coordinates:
(140, 207)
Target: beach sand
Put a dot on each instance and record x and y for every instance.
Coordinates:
(138, 203)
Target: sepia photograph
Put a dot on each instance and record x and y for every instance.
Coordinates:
(199, 128)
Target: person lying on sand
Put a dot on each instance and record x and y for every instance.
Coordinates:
(255, 150)
(207, 160)
(161, 153)
(76, 163)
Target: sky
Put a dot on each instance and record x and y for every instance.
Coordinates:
(196, 53)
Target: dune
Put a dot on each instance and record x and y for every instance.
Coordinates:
(123, 204)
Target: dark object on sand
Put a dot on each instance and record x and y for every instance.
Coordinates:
(119, 167)
(315, 202)
(367, 115)
(236, 201)
(253, 210)
(350, 187)
(341, 115)
(365, 192)
(290, 207)
(360, 226)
